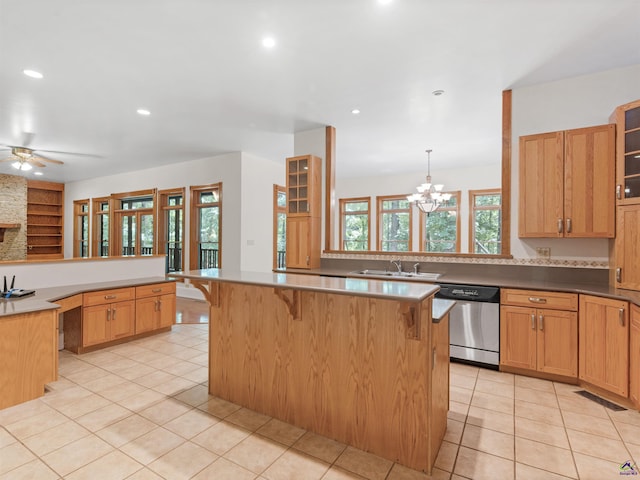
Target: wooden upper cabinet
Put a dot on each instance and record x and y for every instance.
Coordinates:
(567, 183)
(627, 118)
(304, 186)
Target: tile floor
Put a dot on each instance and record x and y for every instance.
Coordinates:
(141, 411)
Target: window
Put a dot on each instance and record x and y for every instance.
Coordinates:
(100, 227)
(171, 228)
(440, 230)
(354, 223)
(206, 226)
(81, 228)
(485, 207)
(279, 226)
(134, 220)
(394, 223)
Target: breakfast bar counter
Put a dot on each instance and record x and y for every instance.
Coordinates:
(356, 360)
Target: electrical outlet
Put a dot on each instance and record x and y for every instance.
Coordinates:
(543, 252)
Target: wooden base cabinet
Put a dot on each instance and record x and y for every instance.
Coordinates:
(303, 242)
(634, 356)
(540, 339)
(104, 323)
(155, 307)
(604, 341)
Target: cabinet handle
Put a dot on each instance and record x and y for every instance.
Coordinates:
(559, 225)
(537, 300)
(619, 192)
(156, 290)
(108, 315)
(433, 358)
(159, 305)
(113, 314)
(109, 297)
(621, 316)
(568, 225)
(308, 260)
(533, 321)
(541, 322)
(618, 274)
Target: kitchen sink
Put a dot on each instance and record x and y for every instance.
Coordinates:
(386, 273)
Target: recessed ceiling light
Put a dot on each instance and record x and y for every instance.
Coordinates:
(142, 111)
(355, 111)
(37, 173)
(32, 73)
(268, 42)
(384, 2)
(437, 93)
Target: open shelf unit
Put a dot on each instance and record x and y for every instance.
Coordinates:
(45, 219)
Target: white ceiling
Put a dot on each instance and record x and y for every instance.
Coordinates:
(200, 68)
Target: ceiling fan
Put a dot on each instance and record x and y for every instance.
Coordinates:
(25, 158)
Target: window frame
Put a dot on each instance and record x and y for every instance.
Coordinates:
(380, 212)
(96, 223)
(162, 232)
(80, 215)
(278, 210)
(343, 202)
(457, 194)
(118, 213)
(472, 216)
(194, 221)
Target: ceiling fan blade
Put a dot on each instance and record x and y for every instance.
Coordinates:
(27, 138)
(10, 159)
(71, 153)
(46, 159)
(36, 161)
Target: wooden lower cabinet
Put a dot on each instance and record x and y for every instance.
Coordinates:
(604, 343)
(153, 313)
(104, 323)
(303, 242)
(634, 355)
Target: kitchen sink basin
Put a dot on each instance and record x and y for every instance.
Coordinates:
(386, 273)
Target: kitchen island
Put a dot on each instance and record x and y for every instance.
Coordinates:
(361, 361)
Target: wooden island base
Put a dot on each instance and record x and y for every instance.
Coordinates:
(366, 371)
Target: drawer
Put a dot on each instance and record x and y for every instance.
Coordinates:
(155, 289)
(108, 296)
(539, 299)
(69, 303)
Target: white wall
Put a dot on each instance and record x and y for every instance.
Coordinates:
(566, 104)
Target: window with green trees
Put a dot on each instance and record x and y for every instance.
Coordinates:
(171, 228)
(279, 226)
(354, 223)
(206, 221)
(394, 223)
(441, 229)
(81, 228)
(486, 214)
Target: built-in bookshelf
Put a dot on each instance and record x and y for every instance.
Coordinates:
(45, 220)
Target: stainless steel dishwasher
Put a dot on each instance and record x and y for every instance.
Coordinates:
(474, 323)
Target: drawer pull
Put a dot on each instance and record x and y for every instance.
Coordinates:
(156, 290)
(109, 297)
(621, 317)
(537, 300)
(533, 321)
(541, 322)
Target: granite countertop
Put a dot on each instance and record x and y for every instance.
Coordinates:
(45, 298)
(367, 287)
(440, 308)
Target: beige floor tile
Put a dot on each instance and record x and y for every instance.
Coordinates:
(198, 374)
(458, 411)
(454, 431)
(194, 396)
(6, 438)
(179, 368)
(629, 433)
(69, 365)
(140, 401)
(337, 473)
(145, 474)
(36, 424)
(13, 456)
(219, 407)
(625, 416)
(165, 411)
(460, 395)
(577, 404)
(105, 416)
(221, 437)
(400, 472)
(494, 376)
(152, 445)
(534, 383)
(566, 389)
(492, 402)
(489, 441)
(183, 462)
(546, 457)
(77, 454)
(527, 472)
(634, 450)
(84, 405)
(155, 378)
(591, 468)
(495, 388)
(597, 446)
(587, 423)
(136, 372)
(175, 386)
(255, 453)
(162, 362)
(541, 432)
(295, 465)
(33, 470)
(23, 411)
(498, 421)
(56, 437)
(446, 458)
(105, 382)
(462, 369)
(223, 469)
(363, 463)
(248, 419)
(280, 432)
(122, 390)
(462, 381)
(538, 397)
(126, 430)
(480, 466)
(539, 413)
(191, 423)
(59, 398)
(186, 354)
(113, 466)
(320, 447)
(120, 365)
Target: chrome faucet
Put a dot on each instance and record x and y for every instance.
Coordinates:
(398, 264)
(416, 266)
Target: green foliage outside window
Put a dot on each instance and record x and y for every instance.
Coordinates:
(441, 229)
(355, 233)
(487, 224)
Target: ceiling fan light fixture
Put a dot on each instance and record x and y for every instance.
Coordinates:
(32, 73)
(21, 165)
(38, 173)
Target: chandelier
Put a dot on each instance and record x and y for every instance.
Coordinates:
(429, 196)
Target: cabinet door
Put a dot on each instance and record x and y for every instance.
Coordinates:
(95, 325)
(298, 255)
(627, 247)
(634, 356)
(167, 310)
(146, 314)
(518, 337)
(557, 342)
(122, 323)
(541, 185)
(589, 188)
(604, 343)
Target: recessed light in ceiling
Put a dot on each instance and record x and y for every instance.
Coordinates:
(355, 111)
(142, 111)
(268, 42)
(384, 2)
(437, 93)
(37, 173)
(32, 73)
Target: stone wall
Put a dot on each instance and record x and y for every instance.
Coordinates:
(13, 209)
